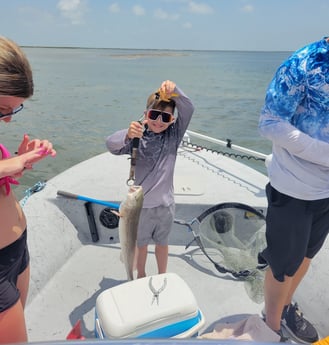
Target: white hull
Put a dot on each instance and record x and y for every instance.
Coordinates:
(69, 270)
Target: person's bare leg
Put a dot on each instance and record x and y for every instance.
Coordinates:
(161, 254)
(12, 325)
(275, 295)
(297, 278)
(23, 282)
(279, 294)
(141, 261)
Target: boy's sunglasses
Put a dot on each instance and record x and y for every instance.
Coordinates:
(153, 114)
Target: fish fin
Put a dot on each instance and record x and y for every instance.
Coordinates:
(116, 213)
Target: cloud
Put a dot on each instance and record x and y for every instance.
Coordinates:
(247, 8)
(138, 10)
(114, 8)
(159, 13)
(72, 9)
(199, 8)
(187, 25)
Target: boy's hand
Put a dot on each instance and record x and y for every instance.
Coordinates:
(135, 130)
(167, 90)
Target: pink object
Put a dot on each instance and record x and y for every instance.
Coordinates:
(75, 333)
(7, 180)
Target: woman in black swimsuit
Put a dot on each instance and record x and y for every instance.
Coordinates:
(16, 85)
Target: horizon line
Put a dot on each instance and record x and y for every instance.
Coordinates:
(159, 49)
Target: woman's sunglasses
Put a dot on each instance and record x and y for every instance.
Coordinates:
(13, 112)
(153, 114)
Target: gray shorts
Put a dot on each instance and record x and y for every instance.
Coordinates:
(155, 225)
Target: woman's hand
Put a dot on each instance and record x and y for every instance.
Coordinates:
(14, 166)
(39, 149)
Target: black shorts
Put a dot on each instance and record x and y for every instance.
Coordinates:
(295, 229)
(14, 259)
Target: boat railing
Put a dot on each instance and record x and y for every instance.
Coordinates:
(228, 144)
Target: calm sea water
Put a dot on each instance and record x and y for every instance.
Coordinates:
(83, 95)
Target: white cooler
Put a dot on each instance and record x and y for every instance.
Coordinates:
(159, 306)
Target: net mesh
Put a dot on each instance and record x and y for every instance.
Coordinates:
(233, 237)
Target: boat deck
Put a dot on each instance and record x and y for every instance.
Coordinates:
(71, 293)
(69, 270)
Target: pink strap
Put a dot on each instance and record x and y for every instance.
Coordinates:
(7, 180)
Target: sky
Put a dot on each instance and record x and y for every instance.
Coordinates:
(262, 25)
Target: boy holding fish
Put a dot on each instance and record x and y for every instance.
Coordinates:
(160, 134)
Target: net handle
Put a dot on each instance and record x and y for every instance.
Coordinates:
(225, 205)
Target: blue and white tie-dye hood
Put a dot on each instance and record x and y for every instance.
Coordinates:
(295, 117)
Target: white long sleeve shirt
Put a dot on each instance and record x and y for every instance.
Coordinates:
(295, 118)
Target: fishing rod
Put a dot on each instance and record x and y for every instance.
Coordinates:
(135, 145)
(228, 144)
(133, 159)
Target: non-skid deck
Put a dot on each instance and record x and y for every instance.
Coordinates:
(71, 293)
(69, 270)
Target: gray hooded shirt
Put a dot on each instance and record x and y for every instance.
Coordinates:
(156, 155)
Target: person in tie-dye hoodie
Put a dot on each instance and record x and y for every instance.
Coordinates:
(295, 117)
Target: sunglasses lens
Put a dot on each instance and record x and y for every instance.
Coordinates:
(154, 114)
(166, 117)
